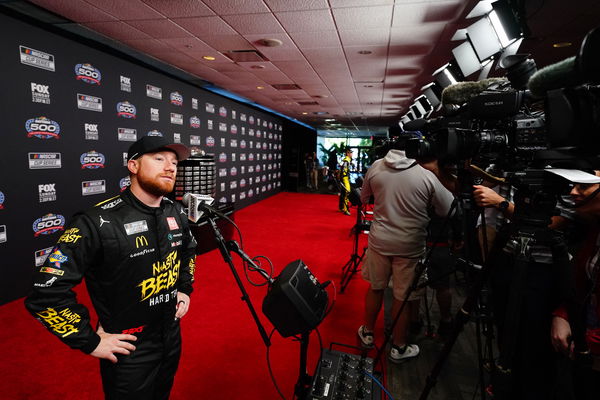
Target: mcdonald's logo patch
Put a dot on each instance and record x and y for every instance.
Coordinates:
(141, 241)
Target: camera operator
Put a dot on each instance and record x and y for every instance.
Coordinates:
(586, 376)
(402, 190)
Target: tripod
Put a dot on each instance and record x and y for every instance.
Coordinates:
(226, 247)
(351, 267)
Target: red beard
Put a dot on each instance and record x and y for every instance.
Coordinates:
(155, 185)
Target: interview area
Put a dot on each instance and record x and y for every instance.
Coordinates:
(300, 200)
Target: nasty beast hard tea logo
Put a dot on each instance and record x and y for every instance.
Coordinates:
(92, 160)
(48, 224)
(88, 74)
(42, 128)
(126, 110)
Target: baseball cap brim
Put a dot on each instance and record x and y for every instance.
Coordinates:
(153, 144)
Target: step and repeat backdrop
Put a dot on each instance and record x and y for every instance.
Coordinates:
(68, 114)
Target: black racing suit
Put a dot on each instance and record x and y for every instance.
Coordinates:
(134, 259)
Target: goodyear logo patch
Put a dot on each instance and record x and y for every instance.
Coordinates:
(126, 110)
(42, 128)
(92, 160)
(48, 224)
(88, 74)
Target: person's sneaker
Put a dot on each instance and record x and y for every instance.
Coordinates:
(399, 355)
(366, 338)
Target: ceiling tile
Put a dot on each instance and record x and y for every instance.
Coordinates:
(160, 29)
(306, 21)
(150, 46)
(249, 24)
(365, 37)
(223, 7)
(180, 8)
(426, 32)
(203, 26)
(287, 5)
(307, 40)
(127, 10)
(358, 3)
(282, 54)
(364, 17)
(75, 10)
(118, 30)
(227, 42)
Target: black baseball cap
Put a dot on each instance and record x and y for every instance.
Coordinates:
(153, 144)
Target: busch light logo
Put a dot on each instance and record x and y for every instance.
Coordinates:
(233, 171)
(154, 132)
(210, 141)
(194, 122)
(251, 120)
(222, 157)
(176, 99)
(124, 183)
(2, 198)
(88, 74)
(222, 111)
(42, 128)
(92, 160)
(233, 129)
(126, 110)
(243, 144)
(48, 224)
(243, 183)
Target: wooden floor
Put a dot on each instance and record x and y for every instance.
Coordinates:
(459, 377)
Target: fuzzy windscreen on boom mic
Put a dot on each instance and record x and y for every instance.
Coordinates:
(462, 92)
(554, 76)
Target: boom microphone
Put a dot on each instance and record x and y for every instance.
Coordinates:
(461, 92)
(197, 204)
(554, 76)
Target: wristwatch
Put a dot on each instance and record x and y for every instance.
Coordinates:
(503, 205)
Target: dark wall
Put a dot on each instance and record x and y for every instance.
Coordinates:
(70, 111)
(297, 141)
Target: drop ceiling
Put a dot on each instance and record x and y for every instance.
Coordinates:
(360, 62)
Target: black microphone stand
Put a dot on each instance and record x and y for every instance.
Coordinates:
(351, 267)
(226, 247)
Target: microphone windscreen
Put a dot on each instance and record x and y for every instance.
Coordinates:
(554, 76)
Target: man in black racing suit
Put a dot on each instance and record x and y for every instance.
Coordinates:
(137, 255)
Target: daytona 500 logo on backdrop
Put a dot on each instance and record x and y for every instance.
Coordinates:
(126, 110)
(92, 160)
(48, 224)
(42, 128)
(88, 74)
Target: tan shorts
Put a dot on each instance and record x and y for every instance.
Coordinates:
(378, 269)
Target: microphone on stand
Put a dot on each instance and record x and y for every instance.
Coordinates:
(197, 205)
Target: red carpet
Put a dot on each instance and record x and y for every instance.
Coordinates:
(223, 354)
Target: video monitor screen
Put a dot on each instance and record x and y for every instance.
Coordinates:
(466, 58)
(484, 38)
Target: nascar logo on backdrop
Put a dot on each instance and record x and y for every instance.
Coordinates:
(48, 224)
(42, 128)
(88, 74)
(36, 58)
